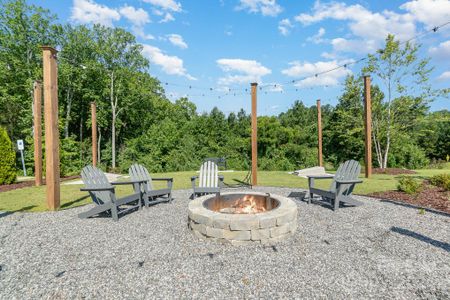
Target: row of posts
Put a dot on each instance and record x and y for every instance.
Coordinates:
(50, 85)
(367, 131)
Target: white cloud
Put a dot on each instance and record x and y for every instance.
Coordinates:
(139, 32)
(298, 69)
(441, 52)
(317, 38)
(265, 7)
(177, 40)
(284, 26)
(88, 11)
(274, 87)
(166, 4)
(248, 70)
(171, 65)
(429, 12)
(167, 18)
(369, 27)
(138, 17)
(444, 76)
(354, 45)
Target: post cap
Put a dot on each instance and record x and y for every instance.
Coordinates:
(254, 84)
(49, 48)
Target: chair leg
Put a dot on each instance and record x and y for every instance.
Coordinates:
(170, 197)
(311, 195)
(114, 213)
(336, 203)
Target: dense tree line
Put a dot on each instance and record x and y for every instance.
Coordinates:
(138, 123)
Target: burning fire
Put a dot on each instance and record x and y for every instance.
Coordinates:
(247, 205)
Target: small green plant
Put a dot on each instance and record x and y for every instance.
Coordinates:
(441, 180)
(408, 185)
(421, 211)
(7, 159)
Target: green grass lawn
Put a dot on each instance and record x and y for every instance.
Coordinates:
(33, 198)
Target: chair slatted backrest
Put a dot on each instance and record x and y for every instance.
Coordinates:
(208, 175)
(95, 178)
(139, 172)
(349, 170)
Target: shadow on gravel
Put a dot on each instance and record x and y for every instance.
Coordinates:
(69, 204)
(423, 238)
(23, 209)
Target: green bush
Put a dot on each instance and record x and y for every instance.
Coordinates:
(408, 185)
(7, 159)
(407, 155)
(441, 180)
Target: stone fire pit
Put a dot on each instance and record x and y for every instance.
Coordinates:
(243, 218)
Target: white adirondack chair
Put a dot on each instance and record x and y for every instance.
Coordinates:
(209, 180)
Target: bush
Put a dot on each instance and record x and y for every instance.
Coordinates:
(408, 185)
(7, 159)
(407, 155)
(441, 180)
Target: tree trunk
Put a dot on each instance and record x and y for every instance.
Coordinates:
(98, 145)
(113, 123)
(69, 108)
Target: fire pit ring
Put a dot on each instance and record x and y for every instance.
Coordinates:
(224, 218)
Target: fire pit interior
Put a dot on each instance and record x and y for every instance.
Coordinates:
(241, 203)
(243, 218)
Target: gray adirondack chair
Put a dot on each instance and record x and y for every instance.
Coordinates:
(341, 188)
(151, 196)
(209, 180)
(103, 195)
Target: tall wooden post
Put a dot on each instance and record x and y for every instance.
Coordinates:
(254, 86)
(94, 133)
(319, 134)
(368, 125)
(51, 127)
(37, 132)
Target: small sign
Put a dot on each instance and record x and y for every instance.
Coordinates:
(20, 145)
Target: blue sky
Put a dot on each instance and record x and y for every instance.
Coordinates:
(211, 50)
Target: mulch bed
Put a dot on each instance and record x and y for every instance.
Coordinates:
(393, 171)
(430, 197)
(28, 183)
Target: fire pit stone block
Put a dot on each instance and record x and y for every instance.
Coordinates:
(267, 228)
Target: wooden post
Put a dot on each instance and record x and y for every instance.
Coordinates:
(94, 133)
(37, 131)
(368, 125)
(319, 134)
(51, 127)
(254, 86)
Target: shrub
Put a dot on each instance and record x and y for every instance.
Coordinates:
(441, 180)
(7, 159)
(408, 185)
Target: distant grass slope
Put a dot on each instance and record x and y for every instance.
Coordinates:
(33, 198)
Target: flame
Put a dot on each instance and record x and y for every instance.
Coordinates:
(247, 205)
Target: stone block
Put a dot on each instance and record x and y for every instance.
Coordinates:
(244, 222)
(267, 221)
(198, 227)
(287, 217)
(202, 217)
(243, 243)
(237, 235)
(260, 234)
(221, 222)
(280, 230)
(214, 232)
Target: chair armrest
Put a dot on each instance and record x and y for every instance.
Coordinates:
(127, 182)
(193, 178)
(163, 179)
(99, 189)
(320, 176)
(348, 181)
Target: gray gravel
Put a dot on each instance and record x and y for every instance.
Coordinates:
(379, 250)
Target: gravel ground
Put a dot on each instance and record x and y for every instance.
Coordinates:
(378, 250)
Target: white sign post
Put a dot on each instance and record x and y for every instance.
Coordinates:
(20, 147)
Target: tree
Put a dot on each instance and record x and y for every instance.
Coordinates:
(7, 159)
(405, 78)
(121, 57)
